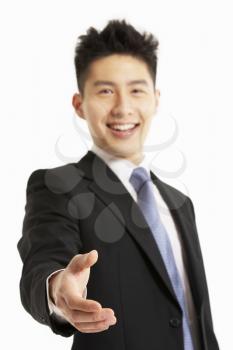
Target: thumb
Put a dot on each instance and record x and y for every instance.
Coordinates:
(82, 261)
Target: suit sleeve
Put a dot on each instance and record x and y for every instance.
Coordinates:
(50, 239)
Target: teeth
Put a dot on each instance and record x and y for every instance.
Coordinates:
(122, 126)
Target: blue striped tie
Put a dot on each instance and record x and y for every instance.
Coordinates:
(143, 185)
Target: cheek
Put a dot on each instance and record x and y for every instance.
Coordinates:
(147, 124)
(97, 123)
(147, 108)
(99, 108)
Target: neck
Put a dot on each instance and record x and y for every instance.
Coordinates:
(134, 158)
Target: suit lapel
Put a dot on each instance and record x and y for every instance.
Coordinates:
(186, 229)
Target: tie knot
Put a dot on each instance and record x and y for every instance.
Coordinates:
(138, 177)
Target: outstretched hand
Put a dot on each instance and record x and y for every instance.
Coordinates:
(66, 289)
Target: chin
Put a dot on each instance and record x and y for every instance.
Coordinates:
(124, 154)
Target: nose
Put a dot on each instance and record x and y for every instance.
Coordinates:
(122, 106)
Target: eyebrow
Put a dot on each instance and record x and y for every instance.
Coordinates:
(110, 83)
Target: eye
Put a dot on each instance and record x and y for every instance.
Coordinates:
(137, 91)
(105, 91)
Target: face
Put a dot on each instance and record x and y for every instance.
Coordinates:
(119, 103)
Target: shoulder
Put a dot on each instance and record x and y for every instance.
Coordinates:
(59, 179)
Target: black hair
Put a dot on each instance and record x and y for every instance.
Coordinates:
(118, 37)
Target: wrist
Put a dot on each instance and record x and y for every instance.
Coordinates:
(53, 281)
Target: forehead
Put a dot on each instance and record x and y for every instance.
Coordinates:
(118, 68)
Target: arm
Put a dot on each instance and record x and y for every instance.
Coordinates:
(50, 239)
(50, 242)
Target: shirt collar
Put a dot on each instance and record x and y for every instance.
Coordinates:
(121, 167)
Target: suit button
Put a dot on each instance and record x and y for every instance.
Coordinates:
(174, 322)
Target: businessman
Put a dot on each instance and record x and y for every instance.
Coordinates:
(111, 253)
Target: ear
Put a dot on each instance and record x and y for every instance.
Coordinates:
(157, 99)
(77, 104)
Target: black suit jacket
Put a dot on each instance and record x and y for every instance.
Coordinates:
(83, 206)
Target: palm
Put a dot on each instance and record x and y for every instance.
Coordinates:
(81, 279)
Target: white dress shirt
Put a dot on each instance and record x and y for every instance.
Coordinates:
(123, 169)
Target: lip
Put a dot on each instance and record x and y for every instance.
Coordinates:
(123, 133)
(129, 122)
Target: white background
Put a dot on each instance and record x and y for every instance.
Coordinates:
(37, 81)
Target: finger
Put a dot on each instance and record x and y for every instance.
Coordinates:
(86, 326)
(94, 325)
(82, 261)
(94, 330)
(75, 302)
(68, 313)
(103, 314)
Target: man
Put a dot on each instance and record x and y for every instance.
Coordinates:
(101, 259)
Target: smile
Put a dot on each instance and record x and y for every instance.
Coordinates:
(123, 130)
